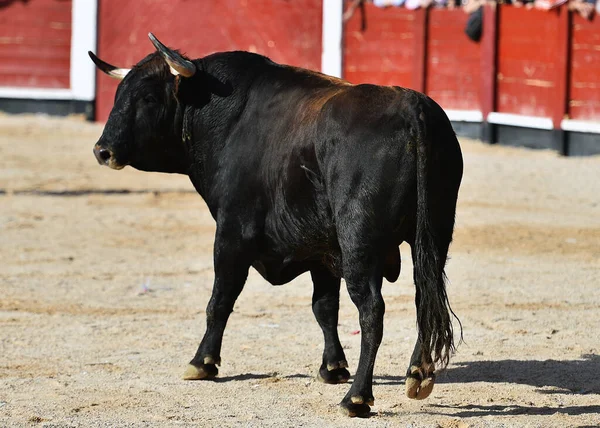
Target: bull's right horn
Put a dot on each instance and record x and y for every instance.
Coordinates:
(111, 70)
(177, 63)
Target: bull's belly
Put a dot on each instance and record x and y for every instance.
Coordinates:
(282, 271)
(280, 266)
(279, 271)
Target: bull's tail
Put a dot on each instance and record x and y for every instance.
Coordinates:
(433, 308)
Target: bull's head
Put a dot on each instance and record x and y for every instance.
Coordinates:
(141, 128)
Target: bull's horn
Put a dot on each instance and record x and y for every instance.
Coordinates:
(111, 70)
(177, 63)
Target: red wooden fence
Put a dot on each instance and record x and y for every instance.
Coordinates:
(529, 62)
(35, 43)
(532, 59)
(453, 76)
(584, 70)
(386, 52)
(288, 33)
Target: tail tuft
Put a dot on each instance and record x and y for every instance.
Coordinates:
(433, 308)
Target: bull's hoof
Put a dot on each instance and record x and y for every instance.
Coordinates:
(357, 406)
(203, 371)
(420, 381)
(334, 373)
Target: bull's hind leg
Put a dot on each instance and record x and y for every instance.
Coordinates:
(420, 376)
(363, 272)
(326, 304)
(232, 262)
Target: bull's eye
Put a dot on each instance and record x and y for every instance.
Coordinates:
(150, 99)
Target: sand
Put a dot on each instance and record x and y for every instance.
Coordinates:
(104, 277)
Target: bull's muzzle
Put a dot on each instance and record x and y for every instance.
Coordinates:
(105, 157)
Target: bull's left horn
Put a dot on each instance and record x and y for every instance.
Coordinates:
(111, 70)
(177, 63)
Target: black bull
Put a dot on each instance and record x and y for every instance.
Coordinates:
(302, 173)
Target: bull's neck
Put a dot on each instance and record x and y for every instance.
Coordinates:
(206, 127)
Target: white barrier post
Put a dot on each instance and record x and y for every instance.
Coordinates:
(331, 57)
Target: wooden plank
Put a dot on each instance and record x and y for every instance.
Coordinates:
(35, 44)
(535, 72)
(584, 109)
(530, 46)
(561, 68)
(385, 52)
(520, 98)
(584, 69)
(287, 32)
(420, 49)
(488, 65)
(528, 61)
(453, 61)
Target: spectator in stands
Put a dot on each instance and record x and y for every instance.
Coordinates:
(387, 3)
(474, 27)
(409, 4)
(584, 7)
(448, 4)
(351, 9)
(548, 4)
(470, 6)
(412, 4)
(528, 4)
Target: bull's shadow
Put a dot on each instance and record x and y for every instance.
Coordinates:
(473, 410)
(580, 376)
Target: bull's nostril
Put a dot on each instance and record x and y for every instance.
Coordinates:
(104, 154)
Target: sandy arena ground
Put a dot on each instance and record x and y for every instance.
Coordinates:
(105, 275)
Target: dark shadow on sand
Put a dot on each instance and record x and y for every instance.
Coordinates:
(472, 410)
(580, 376)
(87, 192)
(242, 377)
(258, 376)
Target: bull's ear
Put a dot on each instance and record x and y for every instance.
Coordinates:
(111, 70)
(177, 63)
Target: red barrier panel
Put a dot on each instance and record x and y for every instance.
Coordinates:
(584, 70)
(426, 50)
(528, 62)
(386, 53)
(527, 53)
(286, 31)
(35, 45)
(453, 76)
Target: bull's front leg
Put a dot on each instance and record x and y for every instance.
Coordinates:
(232, 259)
